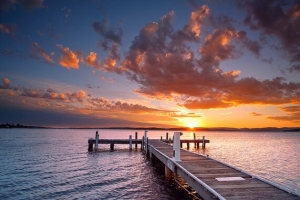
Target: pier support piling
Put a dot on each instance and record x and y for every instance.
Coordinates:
(203, 142)
(90, 148)
(168, 172)
(112, 146)
(147, 146)
(167, 135)
(130, 142)
(136, 137)
(97, 140)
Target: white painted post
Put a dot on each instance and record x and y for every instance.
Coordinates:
(96, 138)
(176, 146)
(130, 142)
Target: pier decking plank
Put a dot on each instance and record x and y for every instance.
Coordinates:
(194, 166)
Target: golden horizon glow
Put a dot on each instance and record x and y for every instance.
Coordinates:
(191, 123)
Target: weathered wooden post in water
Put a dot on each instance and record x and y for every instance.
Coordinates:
(167, 135)
(136, 137)
(203, 142)
(176, 146)
(130, 142)
(97, 140)
(195, 144)
(90, 148)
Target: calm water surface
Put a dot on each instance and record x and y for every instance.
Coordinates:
(55, 164)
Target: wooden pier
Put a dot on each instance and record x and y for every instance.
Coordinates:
(210, 178)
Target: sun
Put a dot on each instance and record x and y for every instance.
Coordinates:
(192, 123)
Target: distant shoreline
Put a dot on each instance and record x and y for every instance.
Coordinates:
(266, 129)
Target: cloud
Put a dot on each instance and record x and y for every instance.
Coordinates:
(252, 46)
(67, 12)
(8, 29)
(295, 68)
(255, 114)
(110, 80)
(27, 4)
(112, 58)
(5, 84)
(109, 34)
(280, 19)
(51, 95)
(40, 52)
(30, 4)
(160, 61)
(91, 60)
(76, 96)
(107, 105)
(69, 58)
(293, 114)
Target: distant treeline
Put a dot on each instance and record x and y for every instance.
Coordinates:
(17, 126)
(266, 129)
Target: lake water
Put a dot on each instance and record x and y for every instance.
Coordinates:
(55, 163)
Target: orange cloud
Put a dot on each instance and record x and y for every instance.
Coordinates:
(6, 84)
(78, 96)
(6, 81)
(68, 59)
(40, 52)
(91, 60)
(293, 114)
(196, 20)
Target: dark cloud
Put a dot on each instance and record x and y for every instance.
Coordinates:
(30, 4)
(109, 34)
(7, 52)
(277, 18)
(8, 29)
(107, 105)
(60, 118)
(255, 114)
(27, 4)
(295, 68)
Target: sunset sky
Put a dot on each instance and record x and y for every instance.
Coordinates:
(162, 63)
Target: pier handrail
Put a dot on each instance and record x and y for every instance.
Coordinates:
(194, 177)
